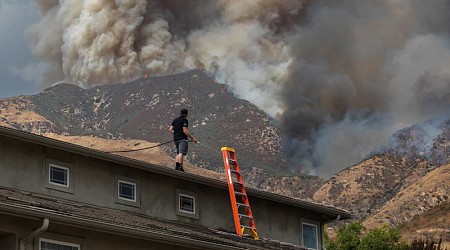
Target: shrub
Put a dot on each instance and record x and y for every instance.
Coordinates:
(347, 237)
(350, 237)
(383, 238)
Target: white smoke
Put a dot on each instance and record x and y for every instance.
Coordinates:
(340, 77)
(106, 41)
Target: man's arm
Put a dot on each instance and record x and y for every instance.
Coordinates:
(171, 129)
(188, 134)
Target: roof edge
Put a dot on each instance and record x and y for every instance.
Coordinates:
(117, 229)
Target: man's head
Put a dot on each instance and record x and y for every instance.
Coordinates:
(184, 112)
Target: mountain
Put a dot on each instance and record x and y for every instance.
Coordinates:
(398, 184)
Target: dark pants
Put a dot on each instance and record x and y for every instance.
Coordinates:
(182, 146)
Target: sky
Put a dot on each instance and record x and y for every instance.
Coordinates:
(20, 71)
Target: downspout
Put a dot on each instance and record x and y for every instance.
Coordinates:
(323, 229)
(36, 232)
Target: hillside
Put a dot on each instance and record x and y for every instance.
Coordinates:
(433, 223)
(429, 197)
(396, 184)
(18, 112)
(367, 186)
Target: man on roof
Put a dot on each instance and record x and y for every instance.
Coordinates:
(181, 135)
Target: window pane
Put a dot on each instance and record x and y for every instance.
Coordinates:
(310, 236)
(58, 175)
(187, 204)
(127, 190)
(54, 246)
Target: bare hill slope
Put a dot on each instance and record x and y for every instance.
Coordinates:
(432, 190)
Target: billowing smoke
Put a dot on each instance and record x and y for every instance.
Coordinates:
(362, 70)
(339, 76)
(244, 43)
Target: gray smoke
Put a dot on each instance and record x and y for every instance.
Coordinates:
(339, 76)
(362, 70)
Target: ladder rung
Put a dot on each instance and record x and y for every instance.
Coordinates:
(239, 183)
(242, 204)
(239, 193)
(246, 216)
(231, 161)
(234, 171)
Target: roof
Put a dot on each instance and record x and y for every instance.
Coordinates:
(77, 149)
(60, 211)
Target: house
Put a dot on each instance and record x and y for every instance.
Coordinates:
(55, 194)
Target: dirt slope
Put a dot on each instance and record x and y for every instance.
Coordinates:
(430, 191)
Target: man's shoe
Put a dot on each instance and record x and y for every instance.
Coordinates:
(179, 167)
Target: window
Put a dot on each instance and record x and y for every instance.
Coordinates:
(187, 204)
(127, 190)
(59, 175)
(46, 244)
(310, 236)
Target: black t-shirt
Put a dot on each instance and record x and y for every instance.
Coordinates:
(178, 124)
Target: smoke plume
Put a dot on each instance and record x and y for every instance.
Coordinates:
(338, 76)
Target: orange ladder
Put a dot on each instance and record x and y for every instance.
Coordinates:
(242, 213)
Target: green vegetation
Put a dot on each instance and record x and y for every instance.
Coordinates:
(352, 237)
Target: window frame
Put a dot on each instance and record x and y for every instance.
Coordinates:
(69, 167)
(62, 243)
(54, 166)
(120, 196)
(317, 231)
(180, 207)
(137, 190)
(196, 205)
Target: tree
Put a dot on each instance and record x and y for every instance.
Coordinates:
(347, 237)
(350, 237)
(383, 238)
